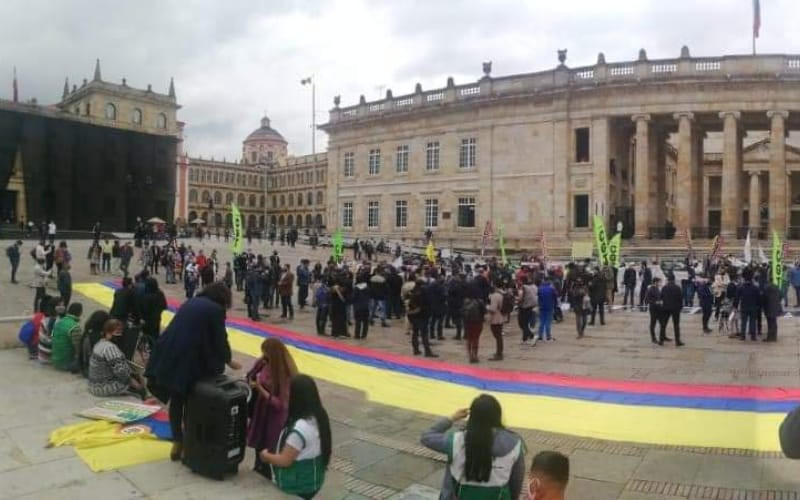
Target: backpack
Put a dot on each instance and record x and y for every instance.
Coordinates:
(508, 304)
(472, 311)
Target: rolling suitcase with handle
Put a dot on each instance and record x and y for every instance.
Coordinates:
(215, 427)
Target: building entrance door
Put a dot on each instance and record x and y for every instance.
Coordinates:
(8, 206)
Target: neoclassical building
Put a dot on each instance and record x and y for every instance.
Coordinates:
(541, 153)
(267, 184)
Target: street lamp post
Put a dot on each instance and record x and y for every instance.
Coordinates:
(310, 81)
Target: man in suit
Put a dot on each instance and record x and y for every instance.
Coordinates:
(671, 306)
(749, 299)
(646, 275)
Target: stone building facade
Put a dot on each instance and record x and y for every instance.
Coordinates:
(541, 153)
(268, 185)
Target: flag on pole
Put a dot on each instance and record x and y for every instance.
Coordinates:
(777, 259)
(487, 233)
(543, 242)
(716, 247)
(430, 252)
(236, 219)
(689, 248)
(614, 247)
(601, 240)
(14, 86)
(338, 246)
(502, 241)
(748, 250)
(761, 255)
(756, 18)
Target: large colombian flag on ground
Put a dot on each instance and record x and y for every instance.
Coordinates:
(745, 417)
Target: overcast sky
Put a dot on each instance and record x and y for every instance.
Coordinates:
(233, 59)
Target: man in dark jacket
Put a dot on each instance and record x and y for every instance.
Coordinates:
(436, 299)
(646, 275)
(303, 280)
(455, 301)
(598, 288)
(13, 255)
(629, 280)
(749, 300)
(772, 309)
(671, 306)
(706, 297)
(124, 307)
(653, 300)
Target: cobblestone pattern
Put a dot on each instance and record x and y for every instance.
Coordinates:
(664, 488)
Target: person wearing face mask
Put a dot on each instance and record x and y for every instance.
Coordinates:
(549, 476)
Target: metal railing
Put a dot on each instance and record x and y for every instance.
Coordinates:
(756, 233)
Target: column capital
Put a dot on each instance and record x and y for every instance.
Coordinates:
(683, 114)
(735, 114)
(640, 117)
(777, 112)
(754, 173)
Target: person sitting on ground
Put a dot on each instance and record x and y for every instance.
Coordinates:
(109, 372)
(485, 460)
(305, 443)
(52, 309)
(92, 333)
(549, 476)
(67, 339)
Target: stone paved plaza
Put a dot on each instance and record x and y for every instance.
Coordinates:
(376, 448)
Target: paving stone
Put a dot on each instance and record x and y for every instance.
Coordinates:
(588, 489)
(780, 475)
(104, 486)
(730, 472)
(632, 495)
(398, 471)
(669, 466)
(49, 476)
(417, 492)
(434, 480)
(603, 466)
(30, 440)
(362, 453)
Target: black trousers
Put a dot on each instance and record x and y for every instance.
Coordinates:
(286, 304)
(524, 321)
(177, 408)
(676, 325)
(362, 324)
(642, 292)
(458, 322)
(420, 326)
(40, 294)
(772, 328)
(655, 317)
(628, 293)
(598, 305)
(706, 316)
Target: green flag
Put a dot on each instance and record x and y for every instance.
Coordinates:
(502, 241)
(777, 259)
(236, 244)
(338, 246)
(614, 247)
(601, 240)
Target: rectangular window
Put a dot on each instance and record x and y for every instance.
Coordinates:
(349, 164)
(347, 214)
(467, 157)
(582, 145)
(466, 211)
(432, 156)
(581, 206)
(373, 214)
(401, 162)
(431, 213)
(374, 161)
(400, 214)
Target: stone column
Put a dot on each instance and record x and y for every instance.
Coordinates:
(706, 195)
(754, 204)
(641, 197)
(686, 203)
(777, 170)
(731, 173)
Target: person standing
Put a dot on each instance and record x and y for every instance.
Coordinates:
(645, 278)
(527, 298)
(338, 306)
(303, 280)
(361, 300)
(190, 278)
(496, 320)
(285, 289)
(652, 299)
(51, 232)
(418, 317)
(321, 301)
(151, 305)
(64, 284)
(40, 277)
(597, 292)
(435, 299)
(749, 300)
(547, 304)
(671, 304)
(706, 298)
(13, 254)
(629, 281)
(107, 249)
(252, 292)
(581, 305)
(772, 309)
(125, 256)
(455, 302)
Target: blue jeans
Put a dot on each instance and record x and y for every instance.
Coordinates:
(373, 307)
(322, 319)
(748, 324)
(545, 323)
(688, 294)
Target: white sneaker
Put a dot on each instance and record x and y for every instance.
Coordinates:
(533, 341)
(525, 342)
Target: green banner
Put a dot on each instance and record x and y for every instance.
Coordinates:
(777, 259)
(601, 240)
(236, 244)
(338, 246)
(502, 241)
(614, 247)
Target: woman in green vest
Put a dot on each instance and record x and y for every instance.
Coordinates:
(67, 334)
(485, 460)
(305, 444)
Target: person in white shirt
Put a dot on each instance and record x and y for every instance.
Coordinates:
(51, 231)
(305, 444)
(40, 277)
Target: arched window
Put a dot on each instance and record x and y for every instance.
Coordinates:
(161, 121)
(308, 220)
(111, 111)
(217, 219)
(204, 216)
(273, 220)
(299, 199)
(319, 220)
(299, 220)
(228, 198)
(320, 198)
(206, 196)
(281, 222)
(283, 202)
(240, 200)
(136, 116)
(261, 204)
(309, 199)
(261, 221)
(291, 200)
(193, 196)
(252, 200)
(290, 221)
(251, 221)
(217, 198)
(192, 215)
(274, 201)
(228, 220)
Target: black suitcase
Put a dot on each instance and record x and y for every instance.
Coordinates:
(215, 427)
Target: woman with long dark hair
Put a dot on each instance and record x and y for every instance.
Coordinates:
(485, 459)
(305, 443)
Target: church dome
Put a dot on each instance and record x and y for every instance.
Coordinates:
(265, 132)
